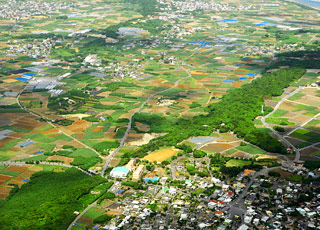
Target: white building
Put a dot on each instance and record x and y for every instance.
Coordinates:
(119, 172)
(138, 173)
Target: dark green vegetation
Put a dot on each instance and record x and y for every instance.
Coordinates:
(235, 112)
(302, 59)
(103, 147)
(156, 122)
(68, 102)
(219, 161)
(146, 7)
(132, 184)
(311, 164)
(14, 108)
(47, 201)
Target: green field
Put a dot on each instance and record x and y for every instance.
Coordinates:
(251, 149)
(306, 135)
(279, 121)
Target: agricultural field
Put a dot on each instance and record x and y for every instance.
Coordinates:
(176, 96)
(298, 115)
(161, 155)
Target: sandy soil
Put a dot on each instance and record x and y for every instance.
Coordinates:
(160, 155)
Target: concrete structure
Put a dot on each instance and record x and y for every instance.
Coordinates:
(138, 173)
(131, 164)
(119, 172)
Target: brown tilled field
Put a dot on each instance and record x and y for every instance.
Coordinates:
(217, 147)
(15, 168)
(4, 178)
(4, 191)
(27, 173)
(79, 126)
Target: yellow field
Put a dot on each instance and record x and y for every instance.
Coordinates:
(160, 155)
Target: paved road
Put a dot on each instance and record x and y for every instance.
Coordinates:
(124, 138)
(81, 214)
(236, 207)
(285, 141)
(54, 126)
(19, 163)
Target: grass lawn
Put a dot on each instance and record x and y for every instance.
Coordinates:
(9, 173)
(279, 113)
(199, 191)
(251, 149)
(296, 96)
(46, 147)
(279, 121)
(93, 213)
(231, 151)
(312, 110)
(16, 129)
(92, 135)
(258, 122)
(265, 130)
(83, 152)
(46, 139)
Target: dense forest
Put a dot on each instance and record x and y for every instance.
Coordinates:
(48, 200)
(235, 112)
(146, 7)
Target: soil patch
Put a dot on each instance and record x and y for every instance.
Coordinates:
(4, 178)
(97, 129)
(160, 155)
(15, 168)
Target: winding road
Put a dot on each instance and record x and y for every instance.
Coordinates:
(236, 207)
(283, 140)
